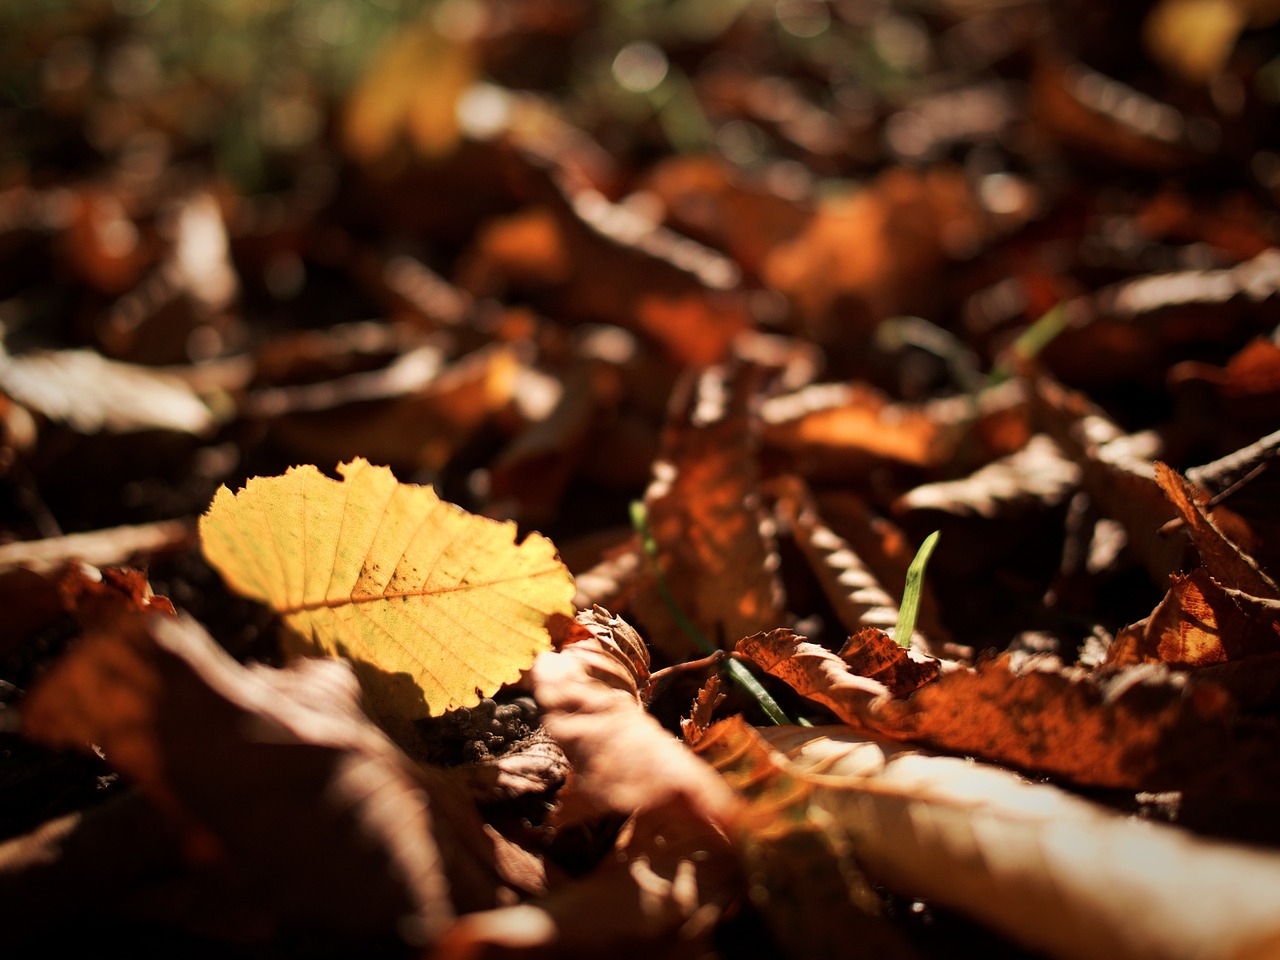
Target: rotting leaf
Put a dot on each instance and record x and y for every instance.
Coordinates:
(437, 607)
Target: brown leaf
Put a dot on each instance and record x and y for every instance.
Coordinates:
(872, 653)
(1198, 623)
(695, 726)
(815, 672)
(803, 875)
(715, 542)
(1035, 477)
(863, 256)
(1226, 562)
(1048, 869)
(343, 832)
(584, 258)
(709, 200)
(1117, 472)
(1143, 728)
(833, 430)
(90, 393)
(117, 546)
(659, 892)
(588, 693)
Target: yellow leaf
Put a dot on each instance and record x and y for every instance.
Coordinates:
(436, 607)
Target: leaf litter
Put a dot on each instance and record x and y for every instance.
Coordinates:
(394, 483)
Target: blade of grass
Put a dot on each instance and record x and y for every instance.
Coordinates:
(737, 671)
(910, 606)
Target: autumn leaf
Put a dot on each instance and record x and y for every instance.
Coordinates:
(341, 831)
(803, 875)
(1050, 870)
(437, 607)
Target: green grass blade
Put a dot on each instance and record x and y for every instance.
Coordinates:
(911, 592)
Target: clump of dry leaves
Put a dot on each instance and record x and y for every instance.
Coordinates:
(385, 542)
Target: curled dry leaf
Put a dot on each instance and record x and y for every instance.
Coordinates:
(1052, 871)
(709, 697)
(872, 653)
(1142, 728)
(437, 607)
(1198, 623)
(1225, 561)
(342, 834)
(590, 701)
(1038, 475)
(672, 871)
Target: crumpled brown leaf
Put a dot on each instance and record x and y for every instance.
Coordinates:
(1141, 728)
(672, 871)
(343, 833)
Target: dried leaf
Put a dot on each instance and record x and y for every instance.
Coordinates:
(1226, 562)
(715, 542)
(862, 257)
(339, 834)
(1143, 728)
(1198, 623)
(874, 654)
(802, 875)
(1054, 872)
(100, 548)
(590, 702)
(437, 607)
(1117, 472)
(90, 393)
(695, 726)
(1037, 476)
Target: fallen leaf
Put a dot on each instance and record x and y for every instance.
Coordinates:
(715, 542)
(1198, 623)
(1225, 561)
(874, 654)
(1037, 476)
(1054, 872)
(861, 257)
(589, 694)
(342, 833)
(1140, 728)
(118, 546)
(437, 607)
(90, 393)
(802, 875)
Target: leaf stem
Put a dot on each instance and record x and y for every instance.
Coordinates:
(737, 670)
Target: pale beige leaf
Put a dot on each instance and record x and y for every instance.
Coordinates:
(1052, 871)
